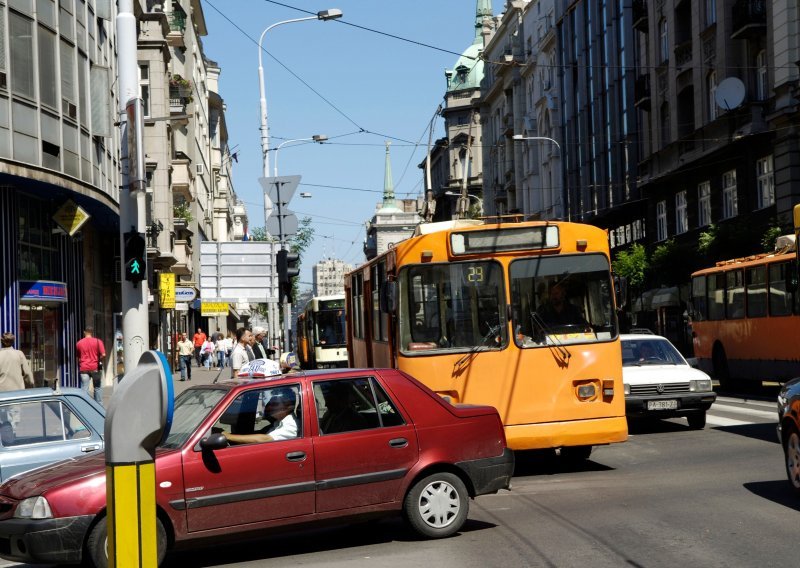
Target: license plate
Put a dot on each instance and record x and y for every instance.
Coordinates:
(662, 405)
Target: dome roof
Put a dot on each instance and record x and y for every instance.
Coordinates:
(468, 70)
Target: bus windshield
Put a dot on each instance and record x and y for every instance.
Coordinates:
(452, 306)
(331, 328)
(562, 299)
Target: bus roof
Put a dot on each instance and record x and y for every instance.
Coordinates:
(746, 262)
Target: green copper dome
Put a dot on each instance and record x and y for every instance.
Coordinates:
(468, 70)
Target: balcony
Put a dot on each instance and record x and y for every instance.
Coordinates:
(641, 92)
(177, 29)
(683, 54)
(183, 254)
(749, 19)
(640, 15)
(182, 179)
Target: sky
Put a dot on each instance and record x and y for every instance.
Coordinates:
(357, 87)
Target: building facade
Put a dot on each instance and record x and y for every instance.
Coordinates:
(328, 276)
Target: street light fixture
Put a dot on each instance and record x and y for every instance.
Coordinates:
(477, 199)
(320, 138)
(520, 138)
(324, 15)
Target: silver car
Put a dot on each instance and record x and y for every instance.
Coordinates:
(42, 426)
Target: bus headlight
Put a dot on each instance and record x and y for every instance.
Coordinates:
(34, 508)
(586, 392)
(701, 385)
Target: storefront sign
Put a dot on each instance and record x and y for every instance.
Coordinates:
(166, 290)
(43, 291)
(211, 309)
(71, 217)
(184, 294)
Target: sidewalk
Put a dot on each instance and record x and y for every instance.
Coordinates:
(200, 376)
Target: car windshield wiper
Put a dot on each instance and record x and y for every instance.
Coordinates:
(554, 342)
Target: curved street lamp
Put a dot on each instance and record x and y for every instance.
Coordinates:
(320, 138)
(323, 15)
(520, 137)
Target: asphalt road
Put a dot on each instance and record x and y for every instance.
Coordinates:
(668, 497)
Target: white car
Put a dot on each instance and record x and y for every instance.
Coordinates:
(659, 383)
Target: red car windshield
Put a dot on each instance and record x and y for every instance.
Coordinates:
(191, 407)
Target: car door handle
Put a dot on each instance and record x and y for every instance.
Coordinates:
(398, 443)
(296, 456)
(90, 448)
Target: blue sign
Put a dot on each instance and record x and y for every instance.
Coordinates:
(43, 290)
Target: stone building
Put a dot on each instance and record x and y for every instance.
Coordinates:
(328, 276)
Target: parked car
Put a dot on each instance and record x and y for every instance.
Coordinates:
(367, 442)
(41, 426)
(659, 383)
(789, 430)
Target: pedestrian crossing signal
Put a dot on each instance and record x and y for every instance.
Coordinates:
(135, 257)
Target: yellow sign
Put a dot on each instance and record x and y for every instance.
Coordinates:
(70, 217)
(166, 291)
(211, 309)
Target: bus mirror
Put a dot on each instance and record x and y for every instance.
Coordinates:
(621, 291)
(389, 297)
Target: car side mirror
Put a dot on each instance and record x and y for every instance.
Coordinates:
(214, 442)
(621, 291)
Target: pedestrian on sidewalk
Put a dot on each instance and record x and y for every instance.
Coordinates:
(207, 353)
(219, 350)
(259, 350)
(185, 353)
(198, 339)
(91, 353)
(15, 373)
(239, 355)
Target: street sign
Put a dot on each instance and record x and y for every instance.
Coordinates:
(166, 289)
(238, 271)
(185, 294)
(287, 185)
(71, 217)
(287, 228)
(212, 309)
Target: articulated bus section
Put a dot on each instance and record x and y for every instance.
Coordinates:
(520, 316)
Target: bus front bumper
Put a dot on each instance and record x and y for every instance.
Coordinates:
(589, 432)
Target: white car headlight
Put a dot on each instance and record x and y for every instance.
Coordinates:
(627, 388)
(34, 508)
(702, 385)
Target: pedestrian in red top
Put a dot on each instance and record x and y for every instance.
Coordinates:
(198, 340)
(91, 353)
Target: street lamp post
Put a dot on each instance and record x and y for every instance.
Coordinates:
(477, 199)
(323, 15)
(320, 138)
(520, 137)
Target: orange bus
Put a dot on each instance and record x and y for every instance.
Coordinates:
(463, 307)
(746, 318)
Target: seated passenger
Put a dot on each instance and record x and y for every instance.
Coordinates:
(340, 415)
(647, 353)
(557, 310)
(278, 411)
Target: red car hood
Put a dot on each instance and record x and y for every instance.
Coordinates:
(67, 472)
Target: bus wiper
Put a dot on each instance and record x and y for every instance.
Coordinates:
(494, 330)
(556, 344)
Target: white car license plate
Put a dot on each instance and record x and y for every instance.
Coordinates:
(662, 405)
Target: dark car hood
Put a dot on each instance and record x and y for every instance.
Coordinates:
(39, 481)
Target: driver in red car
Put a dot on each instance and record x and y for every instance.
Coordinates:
(278, 411)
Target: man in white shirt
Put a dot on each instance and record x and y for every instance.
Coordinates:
(239, 356)
(283, 424)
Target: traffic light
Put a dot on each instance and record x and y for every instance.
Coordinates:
(288, 267)
(135, 257)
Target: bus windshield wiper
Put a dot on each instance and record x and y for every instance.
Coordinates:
(554, 343)
(494, 330)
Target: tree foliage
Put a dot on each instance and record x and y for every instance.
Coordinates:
(632, 264)
(770, 236)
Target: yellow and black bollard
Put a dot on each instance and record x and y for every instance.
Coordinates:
(139, 416)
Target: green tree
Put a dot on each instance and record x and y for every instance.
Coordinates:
(632, 264)
(299, 243)
(770, 236)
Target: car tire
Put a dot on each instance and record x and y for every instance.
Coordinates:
(791, 453)
(437, 505)
(697, 421)
(576, 454)
(97, 544)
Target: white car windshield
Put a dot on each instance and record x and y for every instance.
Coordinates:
(650, 351)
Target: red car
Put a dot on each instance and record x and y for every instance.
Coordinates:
(248, 455)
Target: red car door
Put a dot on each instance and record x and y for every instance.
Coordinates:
(363, 460)
(249, 482)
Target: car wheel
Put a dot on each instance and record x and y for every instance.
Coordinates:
(576, 454)
(97, 544)
(696, 421)
(437, 506)
(791, 451)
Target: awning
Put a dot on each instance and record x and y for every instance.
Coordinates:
(666, 297)
(644, 302)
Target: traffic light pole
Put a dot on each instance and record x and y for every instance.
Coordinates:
(135, 330)
(287, 306)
